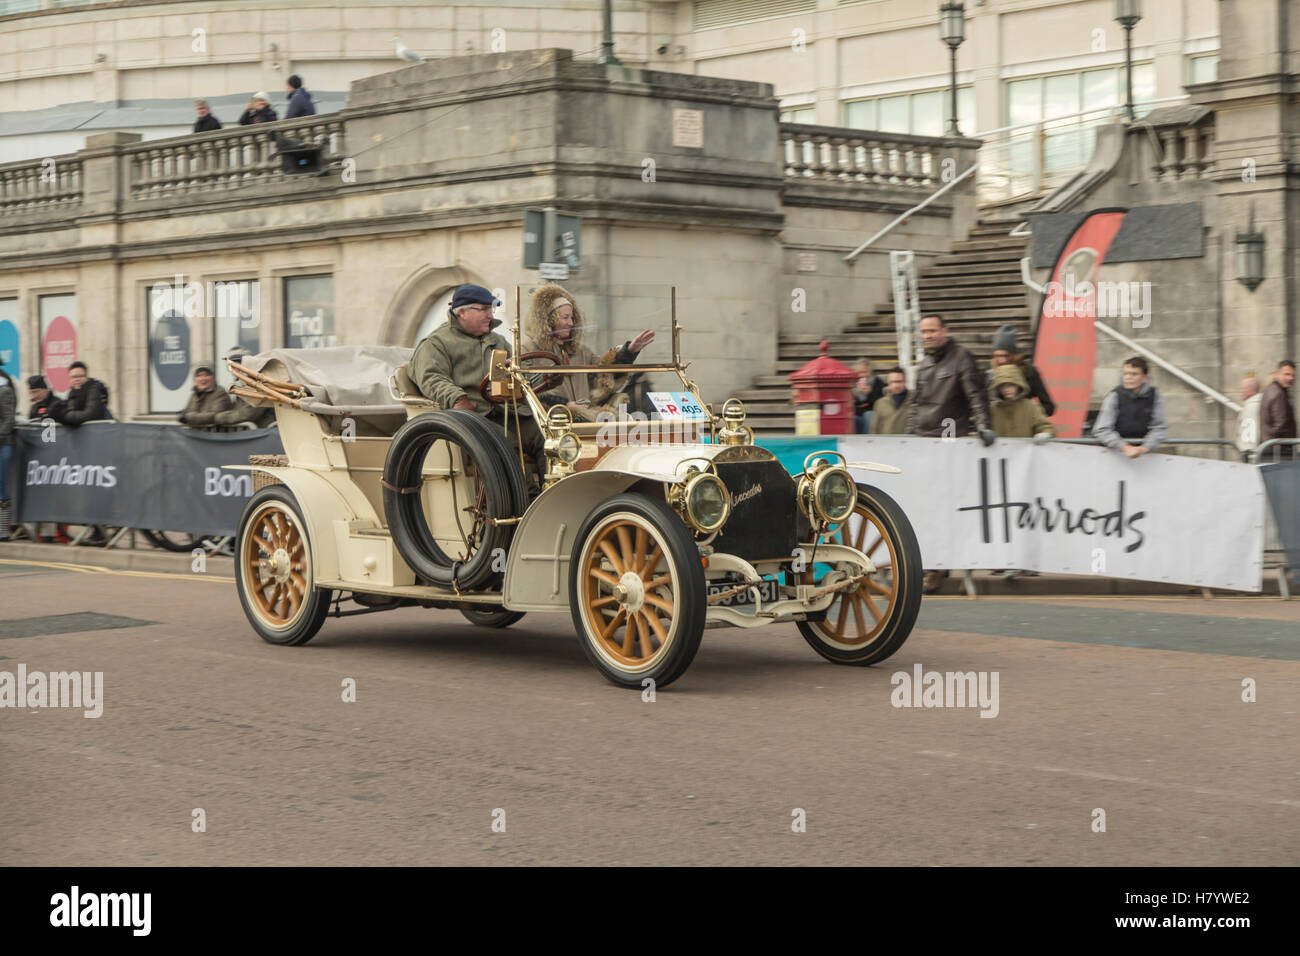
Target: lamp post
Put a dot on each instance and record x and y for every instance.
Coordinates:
(952, 30)
(607, 40)
(1127, 14)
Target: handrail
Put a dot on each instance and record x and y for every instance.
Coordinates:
(1070, 116)
(1273, 443)
(915, 209)
(1168, 367)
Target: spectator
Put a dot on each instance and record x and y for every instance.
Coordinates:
(206, 401)
(8, 418)
(889, 416)
(1014, 413)
(206, 121)
(949, 394)
(87, 399)
(259, 111)
(868, 390)
(1248, 418)
(1132, 412)
(261, 416)
(300, 103)
(42, 398)
(1276, 413)
(1004, 352)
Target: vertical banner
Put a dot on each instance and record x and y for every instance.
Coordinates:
(170, 351)
(58, 314)
(309, 312)
(1065, 345)
(10, 354)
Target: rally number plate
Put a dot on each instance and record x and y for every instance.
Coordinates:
(769, 588)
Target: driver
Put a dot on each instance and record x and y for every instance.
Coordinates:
(555, 325)
(450, 361)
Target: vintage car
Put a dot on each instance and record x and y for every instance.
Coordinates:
(645, 532)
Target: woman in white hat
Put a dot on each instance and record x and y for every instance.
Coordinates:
(259, 111)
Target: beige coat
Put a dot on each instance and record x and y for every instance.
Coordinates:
(887, 420)
(594, 388)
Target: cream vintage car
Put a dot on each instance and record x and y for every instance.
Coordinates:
(645, 532)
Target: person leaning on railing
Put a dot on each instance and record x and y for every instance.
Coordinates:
(1132, 416)
(86, 401)
(207, 400)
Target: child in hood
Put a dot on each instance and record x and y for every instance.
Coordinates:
(1015, 414)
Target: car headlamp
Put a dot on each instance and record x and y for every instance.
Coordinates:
(826, 492)
(563, 447)
(734, 430)
(702, 500)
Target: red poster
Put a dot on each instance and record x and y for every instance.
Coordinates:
(1065, 348)
(58, 351)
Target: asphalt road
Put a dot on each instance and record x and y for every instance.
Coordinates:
(1127, 705)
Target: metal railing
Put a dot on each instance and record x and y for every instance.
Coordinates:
(1030, 158)
(1275, 445)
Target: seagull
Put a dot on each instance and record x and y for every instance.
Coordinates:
(406, 53)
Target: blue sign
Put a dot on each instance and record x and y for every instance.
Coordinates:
(10, 360)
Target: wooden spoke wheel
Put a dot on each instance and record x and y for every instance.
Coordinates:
(637, 591)
(870, 622)
(273, 571)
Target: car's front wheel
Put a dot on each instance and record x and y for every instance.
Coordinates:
(871, 622)
(273, 571)
(637, 591)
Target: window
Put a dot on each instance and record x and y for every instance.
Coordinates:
(309, 312)
(920, 114)
(236, 310)
(1203, 69)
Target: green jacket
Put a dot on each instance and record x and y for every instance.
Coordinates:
(449, 363)
(887, 420)
(1022, 417)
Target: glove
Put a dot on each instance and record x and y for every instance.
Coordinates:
(1042, 438)
(464, 404)
(988, 436)
(182, 418)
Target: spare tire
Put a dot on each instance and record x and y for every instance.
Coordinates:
(404, 506)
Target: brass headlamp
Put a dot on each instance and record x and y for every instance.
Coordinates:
(563, 447)
(826, 492)
(701, 499)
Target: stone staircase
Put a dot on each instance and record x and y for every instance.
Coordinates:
(976, 287)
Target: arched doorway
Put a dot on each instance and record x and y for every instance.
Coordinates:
(434, 316)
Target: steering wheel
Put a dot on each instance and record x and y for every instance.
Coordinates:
(545, 385)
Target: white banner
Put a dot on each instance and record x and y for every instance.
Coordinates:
(1073, 509)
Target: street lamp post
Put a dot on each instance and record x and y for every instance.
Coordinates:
(607, 40)
(1127, 14)
(952, 30)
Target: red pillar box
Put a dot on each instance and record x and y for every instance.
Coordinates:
(828, 384)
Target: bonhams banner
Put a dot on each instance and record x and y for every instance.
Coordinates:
(121, 474)
(1073, 509)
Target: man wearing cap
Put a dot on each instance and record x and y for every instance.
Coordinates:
(451, 361)
(206, 401)
(42, 398)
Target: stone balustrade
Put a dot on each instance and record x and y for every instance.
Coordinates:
(39, 185)
(225, 159)
(833, 154)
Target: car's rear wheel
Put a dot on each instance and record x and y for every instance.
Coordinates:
(637, 591)
(871, 622)
(273, 570)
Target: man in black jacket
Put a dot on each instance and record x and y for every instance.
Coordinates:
(42, 398)
(206, 120)
(950, 394)
(87, 399)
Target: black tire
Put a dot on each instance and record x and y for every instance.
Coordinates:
(405, 513)
(493, 617)
(831, 637)
(256, 569)
(171, 540)
(634, 660)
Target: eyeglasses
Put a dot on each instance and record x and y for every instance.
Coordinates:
(478, 308)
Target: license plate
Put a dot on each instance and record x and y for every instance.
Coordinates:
(768, 587)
